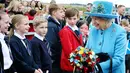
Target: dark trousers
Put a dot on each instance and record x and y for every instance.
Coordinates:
(127, 62)
(10, 70)
(56, 68)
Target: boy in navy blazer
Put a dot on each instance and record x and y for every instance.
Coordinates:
(40, 46)
(54, 26)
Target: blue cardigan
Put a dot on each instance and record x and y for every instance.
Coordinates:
(111, 41)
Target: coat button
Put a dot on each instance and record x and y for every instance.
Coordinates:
(101, 33)
(100, 43)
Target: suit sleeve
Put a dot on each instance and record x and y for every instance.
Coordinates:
(19, 63)
(119, 54)
(36, 53)
(65, 42)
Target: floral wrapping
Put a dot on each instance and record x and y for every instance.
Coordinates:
(83, 60)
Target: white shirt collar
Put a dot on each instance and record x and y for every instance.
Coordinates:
(38, 36)
(73, 28)
(2, 36)
(6, 53)
(19, 36)
(118, 15)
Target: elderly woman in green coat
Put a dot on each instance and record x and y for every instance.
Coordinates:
(107, 39)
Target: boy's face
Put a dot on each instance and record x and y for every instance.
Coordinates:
(72, 20)
(4, 23)
(41, 29)
(59, 14)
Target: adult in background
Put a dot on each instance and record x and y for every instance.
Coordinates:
(120, 14)
(88, 9)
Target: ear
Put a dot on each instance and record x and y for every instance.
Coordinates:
(16, 26)
(53, 13)
(34, 28)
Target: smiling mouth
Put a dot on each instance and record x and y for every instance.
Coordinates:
(96, 24)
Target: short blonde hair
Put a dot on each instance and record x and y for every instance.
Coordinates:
(125, 22)
(38, 20)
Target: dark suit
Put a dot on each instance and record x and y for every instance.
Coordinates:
(1, 60)
(53, 38)
(117, 21)
(23, 62)
(41, 55)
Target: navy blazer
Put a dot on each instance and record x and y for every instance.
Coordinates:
(23, 62)
(53, 38)
(41, 55)
(1, 60)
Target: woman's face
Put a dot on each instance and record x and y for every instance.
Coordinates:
(33, 4)
(39, 4)
(25, 3)
(99, 23)
(21, 7)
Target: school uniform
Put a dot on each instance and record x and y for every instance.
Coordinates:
(23, 58)
(70, 38)
(52, 37)
(1, 60)
(7, 54)
(41, 53)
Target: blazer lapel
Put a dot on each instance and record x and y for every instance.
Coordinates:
(25, 48)
(79, 38)
(40, 41)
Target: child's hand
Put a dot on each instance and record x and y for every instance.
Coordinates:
(40, 70)
(36, 71)
(127, 29)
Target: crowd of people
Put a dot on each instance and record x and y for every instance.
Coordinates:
(37, 38)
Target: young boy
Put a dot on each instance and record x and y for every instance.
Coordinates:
(70, 38)
(54, 26)
(40, 46)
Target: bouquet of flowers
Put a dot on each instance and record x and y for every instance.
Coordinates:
(83, 59)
